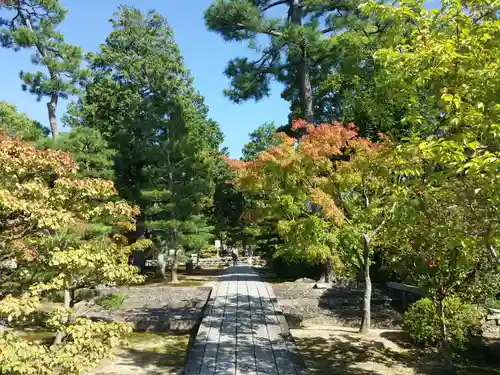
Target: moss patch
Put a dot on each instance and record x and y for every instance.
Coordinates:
(147, 354)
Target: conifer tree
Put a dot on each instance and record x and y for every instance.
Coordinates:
(33, 24)
(140, 96)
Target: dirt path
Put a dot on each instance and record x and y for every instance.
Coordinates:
(343, 351)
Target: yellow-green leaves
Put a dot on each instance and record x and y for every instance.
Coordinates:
(63, 232)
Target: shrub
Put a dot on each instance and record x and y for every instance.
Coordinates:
(209, 252)
(83, 294)
(492, 303)
(112, 301)
(463, 322)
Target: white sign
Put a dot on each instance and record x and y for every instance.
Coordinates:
(217, 243)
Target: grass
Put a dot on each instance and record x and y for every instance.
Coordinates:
(144, 354)
(148, 354)
(111, 301)
(38, 336)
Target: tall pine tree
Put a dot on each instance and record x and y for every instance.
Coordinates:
(141, 97)
(33, 24)
(296, 49)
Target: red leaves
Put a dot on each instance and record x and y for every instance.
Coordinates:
(29, 160)
(316, 147)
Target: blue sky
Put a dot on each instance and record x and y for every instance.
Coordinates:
(204, 52)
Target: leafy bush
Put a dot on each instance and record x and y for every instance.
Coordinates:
(492, 303)
(208, 252)
(463, 321)
(112, 301)
(295, 269)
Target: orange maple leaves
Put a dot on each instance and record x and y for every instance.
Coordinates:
(324, 156)
(318, 142)
(28, 160)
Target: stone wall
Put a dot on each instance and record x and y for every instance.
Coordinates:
(154, 308)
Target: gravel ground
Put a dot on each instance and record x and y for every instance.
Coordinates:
(155, 307)
(304, 306)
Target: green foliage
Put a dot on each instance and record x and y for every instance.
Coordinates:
(83, 294)
(33, 24)
(19, 125)
(463, 322)
(492, 303)
(295, 268)
(142, 101)
(111, 301)
(260, 140)
(445, 225)
(451, 56)
(422, 322)
(88, 148)
(209, 252)
(291, 48)
(195, 232)
(351, 84)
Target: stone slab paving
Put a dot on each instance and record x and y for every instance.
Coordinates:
(242, 331)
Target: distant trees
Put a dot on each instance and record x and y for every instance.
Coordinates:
(260, 139)
(19, 125)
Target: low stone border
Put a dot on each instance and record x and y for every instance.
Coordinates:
(155, 309)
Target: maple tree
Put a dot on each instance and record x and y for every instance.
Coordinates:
(62, 233)
(329, 192)
(446, 224)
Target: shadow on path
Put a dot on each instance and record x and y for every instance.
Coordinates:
(242, 331)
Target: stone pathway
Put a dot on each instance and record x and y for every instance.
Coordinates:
(242, 331)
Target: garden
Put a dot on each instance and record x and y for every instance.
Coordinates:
(383, 178)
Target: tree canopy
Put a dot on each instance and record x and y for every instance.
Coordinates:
(63, 233)
(33, 25)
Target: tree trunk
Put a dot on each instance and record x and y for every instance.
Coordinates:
(161, 265)
(328, 275)
(173, 272)
(139, 259)
(306, 96)
(67, 304)
(445, 344)
(303, 76)
(366, 319)
(52, 108)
